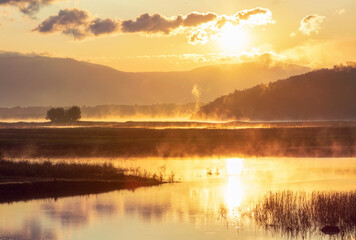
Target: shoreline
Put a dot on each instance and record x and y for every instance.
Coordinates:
(26, 180)
(42, 189)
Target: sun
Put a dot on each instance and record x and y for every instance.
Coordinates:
(233, 38)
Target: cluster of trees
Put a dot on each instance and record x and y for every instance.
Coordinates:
(64, 115)
(326, 94)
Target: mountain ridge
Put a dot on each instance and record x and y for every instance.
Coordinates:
(45, 81)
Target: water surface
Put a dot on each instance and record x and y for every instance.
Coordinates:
(205, 204)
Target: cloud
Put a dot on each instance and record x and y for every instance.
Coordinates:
(68, 21)
(28, 7)
(255, 16)
(155, 23)
(310, 24)
(201, 27)
(103, 26)
(195, 19)
(76, 33)
(250, 17)
(77, 23)
(199, 37)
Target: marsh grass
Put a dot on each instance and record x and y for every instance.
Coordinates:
(74, 170)
(161, 174)
(27, 180)
(299, 214)
(48, 169)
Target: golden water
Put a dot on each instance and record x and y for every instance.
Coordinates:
(205, 204)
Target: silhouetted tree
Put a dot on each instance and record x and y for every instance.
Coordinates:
(73, 114)
(60, 115)
(56, 115)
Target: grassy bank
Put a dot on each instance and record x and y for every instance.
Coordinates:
(24, 180)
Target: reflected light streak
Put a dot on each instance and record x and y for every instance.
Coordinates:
(234, 166)
(233, 193)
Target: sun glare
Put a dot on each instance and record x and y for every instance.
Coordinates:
(234, 166)
(232, 38)
(234, 192)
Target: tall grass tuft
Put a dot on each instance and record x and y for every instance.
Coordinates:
(299, 213)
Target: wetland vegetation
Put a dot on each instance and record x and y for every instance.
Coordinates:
(299, 214)
(278, 141)
(23, 180)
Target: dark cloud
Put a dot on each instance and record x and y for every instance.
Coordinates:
(103, 26)
(75, 33)
(65, 20)
(195, 19)
(155, 23)
(77, 23)
(27, 6)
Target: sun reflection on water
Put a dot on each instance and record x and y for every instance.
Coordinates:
(234, 166)
(234, 192)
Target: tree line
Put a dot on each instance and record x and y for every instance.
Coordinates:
(60, 114)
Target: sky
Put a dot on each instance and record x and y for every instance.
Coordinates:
(161, 35)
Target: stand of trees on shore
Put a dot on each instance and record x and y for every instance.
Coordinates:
(325, 94)
(105, 112)
(64, 115)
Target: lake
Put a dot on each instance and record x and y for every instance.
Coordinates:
(206, 203)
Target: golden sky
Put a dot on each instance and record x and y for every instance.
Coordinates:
(161, 35)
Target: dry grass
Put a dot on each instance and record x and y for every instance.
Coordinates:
(67, 170)
(300, 214)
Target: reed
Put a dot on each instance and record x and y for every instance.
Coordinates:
(75, 170)
(300, 213)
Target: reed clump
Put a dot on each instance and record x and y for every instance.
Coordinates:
(301, 213)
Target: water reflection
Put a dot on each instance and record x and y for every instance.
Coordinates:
(234, 166)
(233, 193)
(202, 206)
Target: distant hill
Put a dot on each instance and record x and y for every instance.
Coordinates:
(45, 81)
(326, 94)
